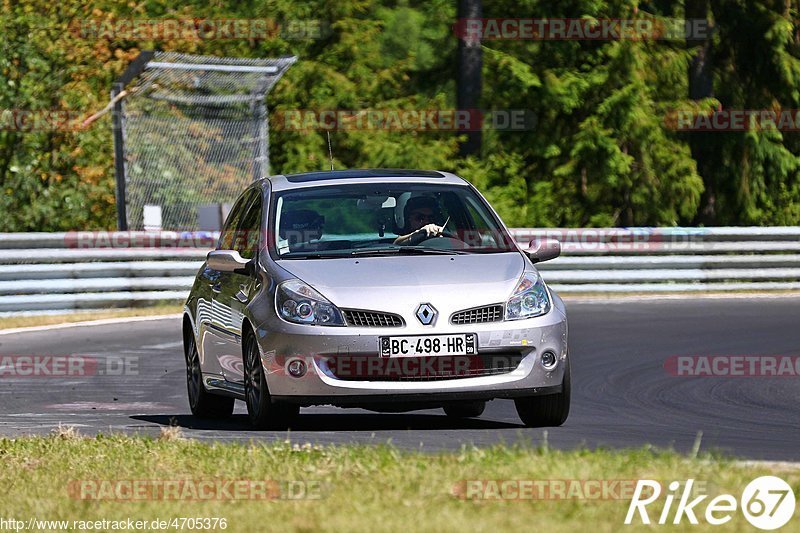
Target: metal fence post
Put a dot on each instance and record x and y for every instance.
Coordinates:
(118, 121)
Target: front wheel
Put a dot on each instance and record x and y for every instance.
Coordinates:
(549, 410)
(263, 412)
(202, 403)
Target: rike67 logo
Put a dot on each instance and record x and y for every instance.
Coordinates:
(767, 502)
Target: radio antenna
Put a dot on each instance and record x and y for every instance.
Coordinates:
(330, 151)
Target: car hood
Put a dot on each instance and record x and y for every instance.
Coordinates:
(399, 284)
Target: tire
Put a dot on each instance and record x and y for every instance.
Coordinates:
(202, 403)
(465, 409)
(549, 410)
(263, 412)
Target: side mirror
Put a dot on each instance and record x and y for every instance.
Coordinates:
(544, 250)
(228, 261)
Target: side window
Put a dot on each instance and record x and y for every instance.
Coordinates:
(247, 238)
(227, 236)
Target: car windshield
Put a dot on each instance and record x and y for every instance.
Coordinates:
(384, 219)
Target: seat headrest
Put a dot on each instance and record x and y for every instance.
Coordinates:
(301, 225)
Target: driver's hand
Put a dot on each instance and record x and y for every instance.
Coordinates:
(431, 230)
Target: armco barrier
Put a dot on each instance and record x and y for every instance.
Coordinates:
(61, 271)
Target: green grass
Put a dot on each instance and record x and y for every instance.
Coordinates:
(364, 488)
(567, 295)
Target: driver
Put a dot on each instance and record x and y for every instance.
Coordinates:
(419, 213)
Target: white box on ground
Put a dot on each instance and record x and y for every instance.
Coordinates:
(151, 217)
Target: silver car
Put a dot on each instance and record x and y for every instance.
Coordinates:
(390, 290)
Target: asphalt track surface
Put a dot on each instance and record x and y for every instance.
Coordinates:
(623, 397)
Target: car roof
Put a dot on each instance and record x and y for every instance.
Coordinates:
(283, 182)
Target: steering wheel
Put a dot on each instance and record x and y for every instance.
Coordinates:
(449, 235)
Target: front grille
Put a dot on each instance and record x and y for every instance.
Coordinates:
(372, 319)
(478, 315)
(431, 368)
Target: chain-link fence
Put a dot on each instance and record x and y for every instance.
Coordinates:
(193, 134)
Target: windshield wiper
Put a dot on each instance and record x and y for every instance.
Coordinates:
(313, 255)
(492, 250)
(406, 250)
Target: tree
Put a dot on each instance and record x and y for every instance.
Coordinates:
(470, 71)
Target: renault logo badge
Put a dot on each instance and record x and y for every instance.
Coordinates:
(426, 314)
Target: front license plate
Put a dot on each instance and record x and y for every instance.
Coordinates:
(423, 345)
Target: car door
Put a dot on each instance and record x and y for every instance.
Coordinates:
(237, 289)
(216, 315)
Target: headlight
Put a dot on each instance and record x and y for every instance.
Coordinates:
(299, 303)
(529, 298)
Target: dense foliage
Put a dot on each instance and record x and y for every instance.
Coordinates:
(601, 153)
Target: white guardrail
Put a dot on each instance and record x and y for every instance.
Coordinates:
(42, 272)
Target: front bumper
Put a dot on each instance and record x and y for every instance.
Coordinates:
(321, 347)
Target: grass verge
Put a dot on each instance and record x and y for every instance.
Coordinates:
(9, 322)
(360, 488)
(604, 296)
